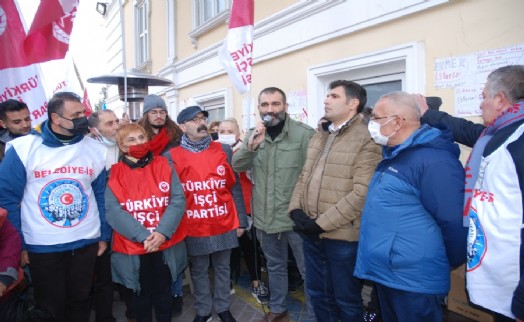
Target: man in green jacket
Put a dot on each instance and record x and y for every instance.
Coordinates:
(275, 152)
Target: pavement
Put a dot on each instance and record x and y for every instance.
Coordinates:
(245, 308)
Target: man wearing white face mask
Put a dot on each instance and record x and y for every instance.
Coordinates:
(411, 233)
(103, 125)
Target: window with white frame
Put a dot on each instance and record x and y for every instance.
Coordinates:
(206, 10)
(215, 104)
(398, 68)
(215, 108)
(142, 32)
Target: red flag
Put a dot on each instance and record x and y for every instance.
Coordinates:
(87, 103)
(12, 35)
(48, 37)
(236, 52)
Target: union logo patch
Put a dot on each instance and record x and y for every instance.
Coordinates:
(477, 243)
(63, 202)
(163, 186)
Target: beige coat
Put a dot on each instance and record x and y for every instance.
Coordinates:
(340, 192)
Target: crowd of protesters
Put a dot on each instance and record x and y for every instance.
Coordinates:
(90, 205)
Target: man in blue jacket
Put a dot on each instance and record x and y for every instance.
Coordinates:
(411, 232)
(53, 185)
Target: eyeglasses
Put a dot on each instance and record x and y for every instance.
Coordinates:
(197, 119)
(374, 118)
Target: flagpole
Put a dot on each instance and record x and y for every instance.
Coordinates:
(77, 73)
(124, 63)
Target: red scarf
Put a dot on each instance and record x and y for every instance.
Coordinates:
(156, 145)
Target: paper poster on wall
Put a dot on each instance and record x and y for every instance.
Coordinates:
(489, 60)
(468, 74)
(297, 105)
(468, 97)
(455, 71)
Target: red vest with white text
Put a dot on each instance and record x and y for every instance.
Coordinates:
(207, 179)
(144, 193)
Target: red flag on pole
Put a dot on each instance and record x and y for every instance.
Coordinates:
(12, 35)
(87, 104)
(18, 79)
(48, 37)
(236, 52)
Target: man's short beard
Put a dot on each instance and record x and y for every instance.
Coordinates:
(277, 118)
(158, 127)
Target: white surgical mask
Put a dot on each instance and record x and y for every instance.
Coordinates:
(105, 141)
(376, 135)
(229, 139)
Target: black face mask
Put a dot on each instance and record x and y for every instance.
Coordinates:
(80, 125)
(214, 136)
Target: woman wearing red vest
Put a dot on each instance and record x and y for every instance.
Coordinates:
(144, 206)
(229, 133)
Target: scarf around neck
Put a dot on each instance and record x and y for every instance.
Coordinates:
(195, 147)
(513, 114)
(156, 145)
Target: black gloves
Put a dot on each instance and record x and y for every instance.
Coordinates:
(298, 216)
(304, 224)
(311, 227)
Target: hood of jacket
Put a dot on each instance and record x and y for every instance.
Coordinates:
(50, 139)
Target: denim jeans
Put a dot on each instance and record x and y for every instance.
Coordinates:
(176, 286)
(275, 248)
(335, 293)
(398, 306)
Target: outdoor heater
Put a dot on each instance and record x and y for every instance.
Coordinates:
(137, 87)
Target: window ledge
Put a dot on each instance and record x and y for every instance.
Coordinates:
(145, 67)
(208, 25)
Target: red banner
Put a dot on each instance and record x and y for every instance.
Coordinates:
(12, 35)
(48, 37)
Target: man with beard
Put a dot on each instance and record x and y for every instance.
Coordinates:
(163, 133)
(103, 125)
(15, 119)
(276, 155)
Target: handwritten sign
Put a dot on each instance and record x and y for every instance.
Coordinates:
(297, 105)
(468, 74)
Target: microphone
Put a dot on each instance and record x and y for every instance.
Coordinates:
(266, 120)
